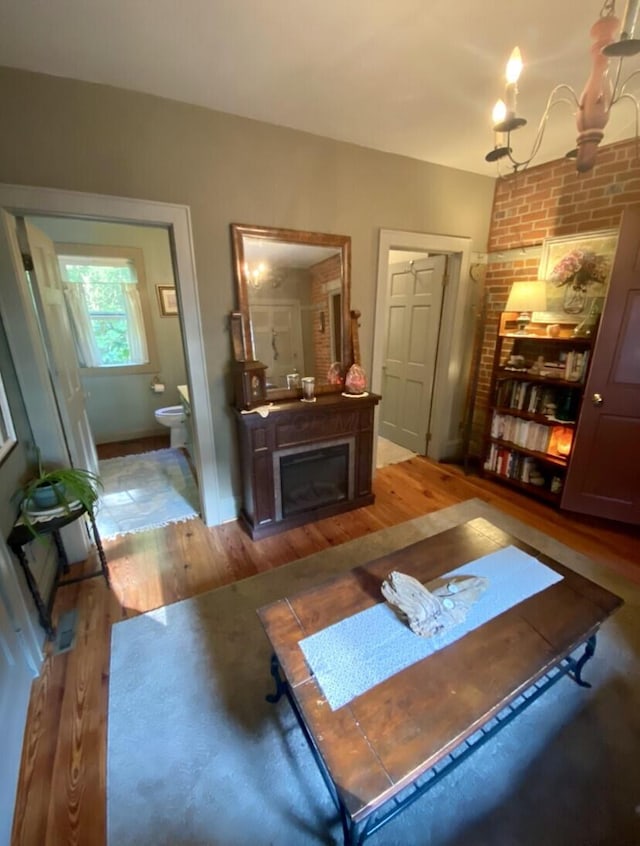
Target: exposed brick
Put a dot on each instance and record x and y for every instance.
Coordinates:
(550, 200)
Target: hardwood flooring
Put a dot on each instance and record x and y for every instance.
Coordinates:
(61, 794)
(134, 446)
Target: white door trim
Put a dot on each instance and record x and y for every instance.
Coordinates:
(29, 200)
(449, 374)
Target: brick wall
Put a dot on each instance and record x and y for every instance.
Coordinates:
(321, 273)
(544, 202)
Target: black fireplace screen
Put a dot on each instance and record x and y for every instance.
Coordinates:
(314, 478)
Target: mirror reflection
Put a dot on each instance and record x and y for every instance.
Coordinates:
(293, 290)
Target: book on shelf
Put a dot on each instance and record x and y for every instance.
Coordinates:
(527, 434)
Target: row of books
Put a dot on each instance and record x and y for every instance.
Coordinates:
(524, 433)
(523, 468)
(537, 398)
(513, 465)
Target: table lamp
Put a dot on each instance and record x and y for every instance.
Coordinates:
(526, 297)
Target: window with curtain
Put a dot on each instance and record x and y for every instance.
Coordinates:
(106, 309)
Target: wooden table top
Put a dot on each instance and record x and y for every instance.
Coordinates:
(384, 739)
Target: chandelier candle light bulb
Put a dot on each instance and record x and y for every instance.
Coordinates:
(514, 69)
(594, 105)
(498, 116)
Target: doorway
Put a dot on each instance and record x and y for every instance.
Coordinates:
(128, 364)
(28, 201)
(414, 303)
(121, 402)
(442, 407)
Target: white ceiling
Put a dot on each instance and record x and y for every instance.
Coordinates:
(414, 77)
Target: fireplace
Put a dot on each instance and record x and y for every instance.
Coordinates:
(305, 461)
(309, 477)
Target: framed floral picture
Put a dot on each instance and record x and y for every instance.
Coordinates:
(576, 269)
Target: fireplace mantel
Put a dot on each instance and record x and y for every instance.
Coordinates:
(298, 426)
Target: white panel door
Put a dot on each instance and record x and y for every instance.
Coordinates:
(277, 339)
(414, 305)
(63, 362)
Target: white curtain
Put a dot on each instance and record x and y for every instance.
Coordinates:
(135, 325)
(88, 351)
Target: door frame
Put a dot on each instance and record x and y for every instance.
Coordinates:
(176, 219)
(452, 353)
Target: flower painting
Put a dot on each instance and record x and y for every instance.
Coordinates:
(577, 270)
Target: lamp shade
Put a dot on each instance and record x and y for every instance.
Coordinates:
(527, 296)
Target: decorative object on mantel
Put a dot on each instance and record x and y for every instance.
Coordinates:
(249, 384)
(308, 389)
(262, 410)
(593, 106)
(335, 374)
(356, 380)
(429, 612)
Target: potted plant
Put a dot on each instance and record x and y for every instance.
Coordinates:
(61, 487)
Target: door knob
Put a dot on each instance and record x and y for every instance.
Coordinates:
(597, 399)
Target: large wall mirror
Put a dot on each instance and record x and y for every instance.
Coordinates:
(294, 297)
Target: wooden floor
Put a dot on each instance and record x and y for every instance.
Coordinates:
(61, 795)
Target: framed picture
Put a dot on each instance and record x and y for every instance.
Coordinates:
(167, 299)
(576, 269)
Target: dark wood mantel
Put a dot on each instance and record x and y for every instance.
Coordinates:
(332, 417)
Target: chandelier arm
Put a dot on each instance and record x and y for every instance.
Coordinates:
(547, 112)
(636, 107)
(623, 91)
(615, 96)
(551, 102)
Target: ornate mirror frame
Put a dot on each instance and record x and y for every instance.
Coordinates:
(342, 245)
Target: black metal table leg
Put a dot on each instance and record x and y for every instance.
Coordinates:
(98, 543)
(63, 561)
(43, 612)
(577, 666)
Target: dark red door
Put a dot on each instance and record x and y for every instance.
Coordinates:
(604, 474)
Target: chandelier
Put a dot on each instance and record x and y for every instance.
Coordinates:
(593, 106)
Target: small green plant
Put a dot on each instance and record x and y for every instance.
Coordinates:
(62, 487)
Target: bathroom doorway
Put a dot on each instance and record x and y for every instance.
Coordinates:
(121, 401)
(129, 348)
(25, 340)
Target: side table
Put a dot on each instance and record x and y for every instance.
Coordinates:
(21, 535)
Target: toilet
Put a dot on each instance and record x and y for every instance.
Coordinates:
(173, 417)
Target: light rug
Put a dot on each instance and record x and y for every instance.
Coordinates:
(389, 453)
(145, 491)
(197, 757)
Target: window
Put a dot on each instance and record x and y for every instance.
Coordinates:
(107, 304)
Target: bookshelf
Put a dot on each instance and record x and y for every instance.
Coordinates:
(537, 384)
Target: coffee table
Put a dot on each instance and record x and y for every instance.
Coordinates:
(387, 747)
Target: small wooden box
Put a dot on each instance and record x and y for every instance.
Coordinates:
(249, 384)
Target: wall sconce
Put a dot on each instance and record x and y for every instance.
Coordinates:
(322, 325)
(526, 297)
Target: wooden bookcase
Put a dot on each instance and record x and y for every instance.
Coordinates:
(536, 394)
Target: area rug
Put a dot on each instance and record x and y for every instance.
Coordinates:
(197, 757)
(389, 453)
(145, 491)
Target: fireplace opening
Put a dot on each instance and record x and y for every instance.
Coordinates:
(315, 477)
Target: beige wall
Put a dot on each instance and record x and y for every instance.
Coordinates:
(77, 136)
